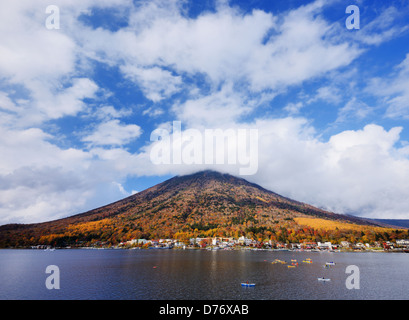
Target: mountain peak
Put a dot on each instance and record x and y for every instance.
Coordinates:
(204, 177)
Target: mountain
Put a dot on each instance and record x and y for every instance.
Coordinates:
(393, 223)
(206, 203)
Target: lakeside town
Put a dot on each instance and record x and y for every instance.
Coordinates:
(222, 243)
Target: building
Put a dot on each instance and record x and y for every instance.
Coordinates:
(388, 245)
(345, 244)
(245, 241)
(295, 246)
(324, 245)
(359, 246)
(402, 243)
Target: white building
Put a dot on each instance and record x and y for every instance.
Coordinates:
(245, 241)
(324, 245)
(402, 242)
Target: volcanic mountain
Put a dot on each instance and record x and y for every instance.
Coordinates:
(206, 203)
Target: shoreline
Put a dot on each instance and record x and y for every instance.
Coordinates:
(380, 250)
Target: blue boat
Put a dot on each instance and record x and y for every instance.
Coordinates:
(323, 279)
(246, 284)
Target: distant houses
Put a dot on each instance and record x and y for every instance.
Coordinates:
(227, 242)
(403, 243)
(230, 242)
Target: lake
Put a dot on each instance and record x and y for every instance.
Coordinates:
(201, 275)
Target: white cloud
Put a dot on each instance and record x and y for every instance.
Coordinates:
(28, 49)
(354, 172)
(113, 133)
(221, 107)
(110, 112)
(153, 112)
(6, 103)
(384, 27)
(353, 109)
(329, 94)
(65, 101)
(48, 102)
(394, 90)
(300, 50)
(121, 188)
(157, 84)
(224, 46)
(31, 148)
(39, 181)
(293, 108)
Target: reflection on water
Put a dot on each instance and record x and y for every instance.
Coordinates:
(200, 274)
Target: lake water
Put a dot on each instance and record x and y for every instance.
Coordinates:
(200, 275)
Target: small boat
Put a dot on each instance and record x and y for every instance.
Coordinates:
(307, 261)
(330, 263)
(278, 261)
(246, 284)
(291, 266)
(323, 279)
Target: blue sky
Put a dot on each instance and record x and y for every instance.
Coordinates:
(79, 102)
